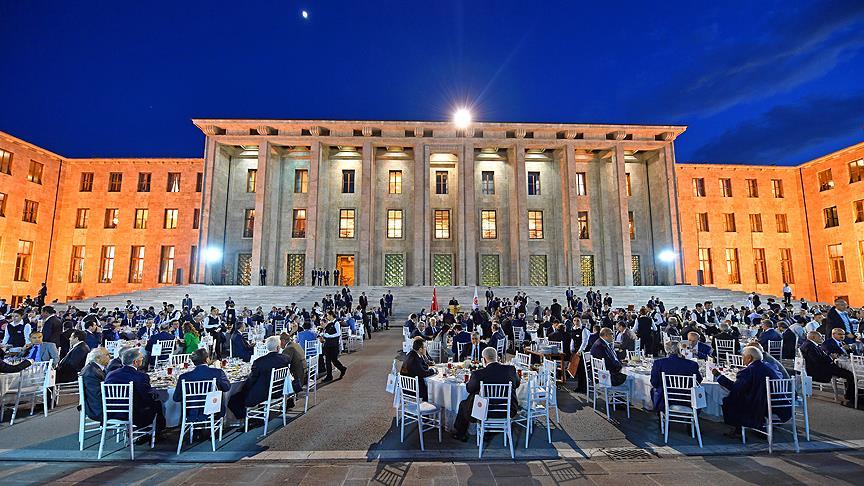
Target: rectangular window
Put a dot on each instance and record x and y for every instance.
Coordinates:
(115, 181)
(346, 223)
(144, 179)
(730, 222)
(394, 184)
(760, 265)
(112, 218)
(857, 208)
(171, 216)
(394, 223)
(81, 218)
(582, 218)
(777, 188)
(632, 225)
(31, 211)
(861, 257)
(830, 217)
(106, 264)
(193, 263)
(856, 171)
(3, 198)
(442, 224)
(141, 218)
(136, 265)
(86, 182)
(348, 181)
(196, 218)
(173, 182)
(533, 183)
(488, 224)
(702, 222)
(732, 268)
(581, 189)
(166, 265)
(35, 173)
(726, 187)
(837, 264)
(251, 176)
(5, 162)
(752, 188)
(698, 187)
(629, 185)
(301, 181)
(756, 223)
(440, 182)
(298, 224)
(199, 181)
(705, 266)
(826, 180)
(487, 181)
(248, 223)
(786, 266)
(76, 264)
(782, 224)
(22, 261)
(586, 268)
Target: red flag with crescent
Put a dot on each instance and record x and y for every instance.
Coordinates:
(434, 307)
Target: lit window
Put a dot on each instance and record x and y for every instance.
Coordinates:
(248, 223)
(348, 181)
(582, 219)
(166, 265)
(533, 183)
(298, 226)
(112, 218)
(726, 187)
(488, 224)
(136, 264)
(141, 218)
(756, 223)
(106, 264)
(346, 223)
(730, 222)
(301, 181)
(35, 173)
(535, 225)
(581, 190)
(826, 180)
(786, 265)
(5, 162)
(856, 171)
(837, 264)
(698, 187)
(144, 179)
(171, 216)
(629, 184)
(760, 265)
(394, 223)
(831, 217)
(86, 182)
(732, 268)
(442, 224)
(487, 178)
(81, 218)
(395, 182)
(702, 222)
(752, 188)
(777, 188)
(705, 266)
(22, 261)
(3, 198)
(115, 181)
(782, 223)
(857, 206)
(251, 176)
(31, 211)
(173, 182)
(76, 264)
(440, 182)
(631, 225)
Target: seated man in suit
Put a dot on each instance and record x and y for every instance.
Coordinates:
(821, 367)
(497, 335)
(238, 346)
(699, 349)
(493, 372)
(473, 349)
(672, 364)
(834, 346)
(38, 350)
(415, 364)
(201, 372)
(459, 336)
(75, 359)
(93, 337)
(92, 377)
(432, 329)
(790, 340)
(602, 349)
(419, 331)
(626, 339)
(297, 359)
(770, 360)
(162, 335)
(145, 404)
(768, 333)
(747, 402)
(725, 334)
(256, 388)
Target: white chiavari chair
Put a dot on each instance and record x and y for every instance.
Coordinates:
(536, 408)
(612, 395)
(414, 410)
(194, 399)
(275, 400)
(117, 402)
(781, 395)
(679, 405)
(85, 424)
(311, 382)
(498, 414)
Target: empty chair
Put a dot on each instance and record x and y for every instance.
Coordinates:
(117, 402)
(781, 395)
(498, 414)
(279, 326)
(433, 349)
(312, 350)
(522, 361)
(634, 354)
(858, 375)
(536, 407)
(612, 395)
(414, 410)
(548, 380)
(167, 348)
(589, 377)
(679, 405)
(32, 388)
(274, 402)
(519, 335)
(311, 383)
(194, 399)
(724, 347)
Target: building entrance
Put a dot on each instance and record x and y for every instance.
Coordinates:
(345, 265)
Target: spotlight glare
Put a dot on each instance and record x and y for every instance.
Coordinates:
(212, 254)
(305, 14)
(462, 118)
(666, 256)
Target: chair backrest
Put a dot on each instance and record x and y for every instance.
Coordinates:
(461, 347)
(500, 346)
(312, 371)
(550, 365)
(117, 399)
(781, 394)
(724, 347)
(678, 390)
(735, 360)
(408, 386)
(433, 349)
(277, 381)
(589, 371)
(499, 399)
(34, 375)
(167, 346)
(195, 395)
(179, 359)
(405, 331)
(542, 342)
(112, 346)
(311, 349)
(519, 334)
(279, 326)
(632, 354)
(598, 364)
(81, 394)
(775, 349)
(522, 361)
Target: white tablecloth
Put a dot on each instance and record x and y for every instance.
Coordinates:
(174, 410)
(640, 386)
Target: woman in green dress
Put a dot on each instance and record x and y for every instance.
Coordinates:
(191, 338)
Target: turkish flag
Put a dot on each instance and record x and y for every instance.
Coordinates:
(434, 307)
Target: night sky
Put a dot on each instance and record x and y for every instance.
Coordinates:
(767, 82)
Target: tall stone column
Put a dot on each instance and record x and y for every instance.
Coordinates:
(207, 204)
(674, 229)
(625, 269)
(519, 218)
(421, 216)
(467, 270)
(314, 218)
(570, 227)
(259, 239)
(365, 233)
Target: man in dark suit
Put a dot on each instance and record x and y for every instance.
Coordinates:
(555, 308)
(822, 367)
(363, 302)
(459, 336)
(672, 364)
(497, 335)
(256, 388)
(700, 350)
(768, 333)
(92, 336)
(415, 365)
(73, 362)
(473, 349)
(747, 403)
(790, 341)
(201, 372)
(297, 359)
(835, 346)
(489, 295)
(52, 327)
(92, 377)
(238, 345)
(186, 303)
(602, 349)
(145, 403)
(838, 316)
(493, 373)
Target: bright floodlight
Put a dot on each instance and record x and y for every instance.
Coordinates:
(667, 256)
(462, 118)
(213, 254)
(305, 14)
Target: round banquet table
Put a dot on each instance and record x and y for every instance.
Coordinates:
(640, 389)
(174, 410)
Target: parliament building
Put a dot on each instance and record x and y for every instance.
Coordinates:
(424, 203)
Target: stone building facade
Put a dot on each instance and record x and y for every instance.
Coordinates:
(422, 203)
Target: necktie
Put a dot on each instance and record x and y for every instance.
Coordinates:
(34, 352)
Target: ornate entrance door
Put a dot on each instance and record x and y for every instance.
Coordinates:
(345, 264)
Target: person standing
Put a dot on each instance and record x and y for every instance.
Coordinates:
(363, 302)
(326, 278)
(42, 295)
(336, 277)
(331, 337)
(388, 299)
(52, 327)
(787, 294)
(262, 276)
(314, 276)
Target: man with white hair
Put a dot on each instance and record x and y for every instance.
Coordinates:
(92, 376)
(672, 364)
(747, 403)
(493, 372)
(256, 388)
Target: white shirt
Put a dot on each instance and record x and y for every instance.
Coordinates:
(26, 333)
